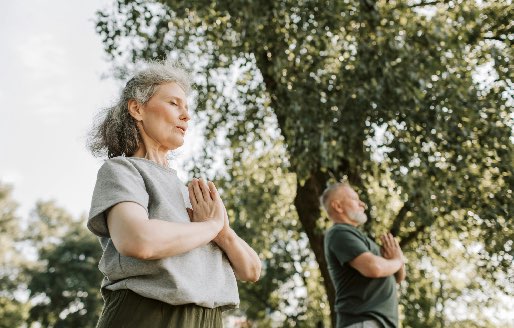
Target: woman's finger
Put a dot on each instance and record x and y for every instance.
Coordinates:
(205, 190)
(198, 191)
(214, 191)
(192, 197)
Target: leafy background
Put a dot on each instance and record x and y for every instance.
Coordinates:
(411, 102)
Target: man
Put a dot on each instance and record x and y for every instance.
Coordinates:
(364, 275)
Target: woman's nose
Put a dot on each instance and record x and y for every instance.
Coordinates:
(185, 116)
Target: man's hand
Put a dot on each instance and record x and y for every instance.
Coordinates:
(391, 250)
(390, 247)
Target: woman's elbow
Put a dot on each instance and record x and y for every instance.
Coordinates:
(252, 274)
(256, 274)
(138, 250)
(252, 277)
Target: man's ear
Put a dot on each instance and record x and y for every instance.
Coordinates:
(336, 206)
(135, 109)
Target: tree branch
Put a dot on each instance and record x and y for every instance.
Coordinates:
(412, 235)
(395, 228)
(495, 38)
(400, 217)
(423, 4)
(420, 4)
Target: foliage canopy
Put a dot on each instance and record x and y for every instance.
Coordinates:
(411, 101)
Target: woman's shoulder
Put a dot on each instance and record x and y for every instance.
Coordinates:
(117, 165)
(114, 162)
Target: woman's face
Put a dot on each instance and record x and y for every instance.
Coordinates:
(165, 116)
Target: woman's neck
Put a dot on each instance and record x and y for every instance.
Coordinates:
(153, 154)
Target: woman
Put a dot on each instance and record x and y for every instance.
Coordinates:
(169, 258)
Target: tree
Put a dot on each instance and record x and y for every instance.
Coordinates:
(65, 281)
(12, 311)
(371, 91)
(258, 194)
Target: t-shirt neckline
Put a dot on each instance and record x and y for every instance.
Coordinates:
(167, 169)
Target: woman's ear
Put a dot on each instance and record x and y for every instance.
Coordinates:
(135, 109)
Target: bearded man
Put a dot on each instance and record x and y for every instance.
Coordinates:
(364, 275)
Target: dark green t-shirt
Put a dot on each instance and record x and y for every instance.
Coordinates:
(358, 298)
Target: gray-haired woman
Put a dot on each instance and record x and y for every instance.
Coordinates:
(169, 258)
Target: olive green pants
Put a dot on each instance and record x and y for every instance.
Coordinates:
(126, 309)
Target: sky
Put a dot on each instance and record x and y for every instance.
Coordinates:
(51, 86)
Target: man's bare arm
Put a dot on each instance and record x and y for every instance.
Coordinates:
(400, 274)
(372, 266)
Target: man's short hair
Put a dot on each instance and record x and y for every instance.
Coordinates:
(326, 196)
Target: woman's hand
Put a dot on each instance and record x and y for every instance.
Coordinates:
(206, 202)
(225, 231)
(244, 260)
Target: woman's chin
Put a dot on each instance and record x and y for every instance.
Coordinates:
(175, 145)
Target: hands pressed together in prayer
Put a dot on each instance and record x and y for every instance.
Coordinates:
(390, 247)
(391, 250)
(207, 205)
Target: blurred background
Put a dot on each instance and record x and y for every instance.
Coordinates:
(411, 101)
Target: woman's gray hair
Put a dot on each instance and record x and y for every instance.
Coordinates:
(114, 131)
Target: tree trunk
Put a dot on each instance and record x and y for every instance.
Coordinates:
(307, 206)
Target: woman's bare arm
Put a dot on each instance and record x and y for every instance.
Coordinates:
(134, 234)
(244, 260)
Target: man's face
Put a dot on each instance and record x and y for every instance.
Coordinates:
(351, 205)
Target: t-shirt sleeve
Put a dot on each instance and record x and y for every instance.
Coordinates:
(346, 245)
(117, 181)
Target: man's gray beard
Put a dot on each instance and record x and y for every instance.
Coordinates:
(358, 217)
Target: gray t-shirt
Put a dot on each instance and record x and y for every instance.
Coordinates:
(202, 276)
